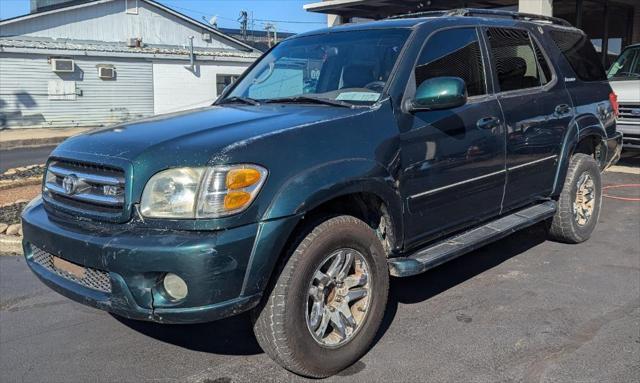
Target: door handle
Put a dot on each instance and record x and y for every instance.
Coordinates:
(562, 109)
(488, 122)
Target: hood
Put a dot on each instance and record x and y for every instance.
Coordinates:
(627, 90)
(193, 138)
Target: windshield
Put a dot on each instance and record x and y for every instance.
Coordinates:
(627, 66)
(349, 67)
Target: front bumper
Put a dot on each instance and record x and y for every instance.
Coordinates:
(631, 135)
(614, 149)
(213, 264)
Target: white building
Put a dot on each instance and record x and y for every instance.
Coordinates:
(104, 61)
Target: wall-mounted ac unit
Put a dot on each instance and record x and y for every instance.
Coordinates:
(106, 73)
(63, 65)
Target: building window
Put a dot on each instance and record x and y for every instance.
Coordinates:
(223, 80)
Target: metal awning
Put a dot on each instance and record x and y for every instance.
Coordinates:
(379, 9)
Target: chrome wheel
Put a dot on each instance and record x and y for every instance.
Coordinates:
(585, 199)
(338, 297)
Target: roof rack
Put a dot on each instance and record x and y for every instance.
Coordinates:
(486, 13)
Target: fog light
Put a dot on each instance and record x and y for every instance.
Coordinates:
(175, 286)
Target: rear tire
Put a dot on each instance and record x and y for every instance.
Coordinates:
(579, 202)
(283, 323)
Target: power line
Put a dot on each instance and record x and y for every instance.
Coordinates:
(291, 22)
(261, 20)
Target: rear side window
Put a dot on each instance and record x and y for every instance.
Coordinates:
(519, 62)
(580, 54)
(453, 52)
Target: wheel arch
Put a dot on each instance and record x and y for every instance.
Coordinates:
(586, 134)
(357, 187)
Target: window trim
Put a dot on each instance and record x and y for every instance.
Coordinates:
(523, 91)
(411, 90)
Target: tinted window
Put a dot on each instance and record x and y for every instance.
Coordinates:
(518, 64)
(581, 54)
(453, 52)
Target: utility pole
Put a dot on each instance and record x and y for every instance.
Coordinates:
(269, 27)
(243, 19)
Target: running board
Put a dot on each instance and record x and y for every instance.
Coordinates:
(441, 252)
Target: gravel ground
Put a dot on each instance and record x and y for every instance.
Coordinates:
(520, 310)
(20, 193)
(20, 173)
(11, 214)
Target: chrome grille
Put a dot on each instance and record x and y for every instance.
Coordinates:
(629, 112)
(85, 186)
(93, 279)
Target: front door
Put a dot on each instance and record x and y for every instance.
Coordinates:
(537, 110)
(453, 160)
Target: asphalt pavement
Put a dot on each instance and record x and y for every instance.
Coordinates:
(519, 310)
(15, 158)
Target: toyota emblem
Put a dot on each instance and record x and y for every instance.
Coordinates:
(70, 184)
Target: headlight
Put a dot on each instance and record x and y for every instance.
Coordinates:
(201, 192)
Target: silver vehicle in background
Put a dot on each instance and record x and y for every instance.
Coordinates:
(624, 76)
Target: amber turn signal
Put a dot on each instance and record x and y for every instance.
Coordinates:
(242, 178)
(236, 200)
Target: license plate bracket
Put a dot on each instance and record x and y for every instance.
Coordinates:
(69, 268)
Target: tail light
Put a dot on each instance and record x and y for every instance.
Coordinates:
(613, 98)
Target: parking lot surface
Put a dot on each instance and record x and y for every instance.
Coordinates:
(519, 310)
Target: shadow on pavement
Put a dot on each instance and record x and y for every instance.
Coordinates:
(234, 336)
(230, 336)
(436, 281)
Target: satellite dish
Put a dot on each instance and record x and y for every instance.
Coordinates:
(214, 21)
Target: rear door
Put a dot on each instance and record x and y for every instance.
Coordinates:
(452, 160)
(537, 110)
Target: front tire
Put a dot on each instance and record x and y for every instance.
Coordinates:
(579, 202)
(327, 304)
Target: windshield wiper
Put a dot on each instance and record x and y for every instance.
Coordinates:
(244, 100)
(311, 100)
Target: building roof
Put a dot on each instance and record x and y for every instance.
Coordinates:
(98, 48)
(74, 5)
(256, 38)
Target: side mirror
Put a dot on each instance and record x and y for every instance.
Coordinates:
(439, 93)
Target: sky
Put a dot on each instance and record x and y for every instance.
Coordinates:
(287, 15)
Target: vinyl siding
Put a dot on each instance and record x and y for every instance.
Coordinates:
(24, 99)
(194, 89)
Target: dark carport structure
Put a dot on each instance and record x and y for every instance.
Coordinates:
(611, 24)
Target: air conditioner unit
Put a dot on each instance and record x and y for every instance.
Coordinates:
(63, 65)
(106, 73)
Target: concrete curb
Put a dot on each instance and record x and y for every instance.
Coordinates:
(10, 184)
(36, 137)
(10, 245)
(31, 143)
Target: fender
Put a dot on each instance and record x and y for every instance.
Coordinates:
(302, 193)
(314, 186)
(581, 127)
